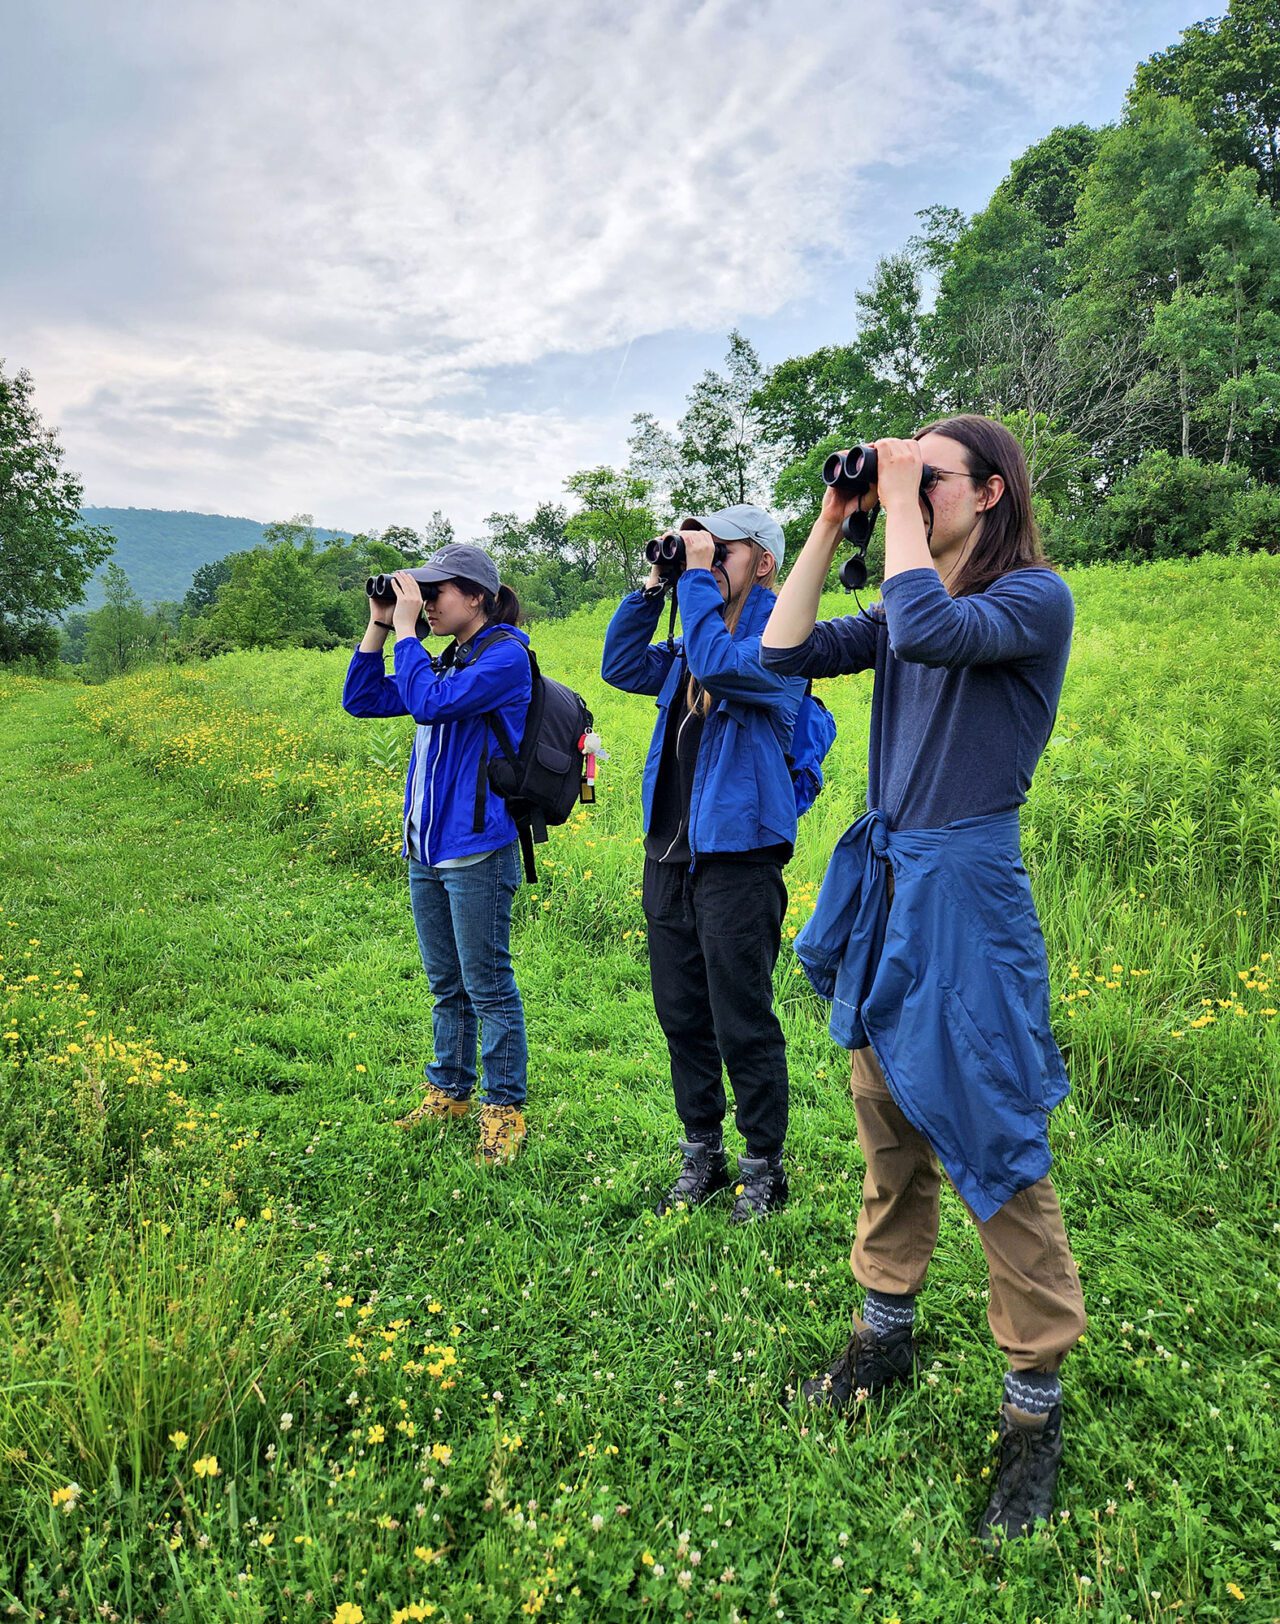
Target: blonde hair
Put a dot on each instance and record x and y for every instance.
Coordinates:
(696, 696)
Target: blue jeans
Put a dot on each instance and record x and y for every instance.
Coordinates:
(463, 919)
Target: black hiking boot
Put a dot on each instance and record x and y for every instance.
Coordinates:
(761, 1189)
(704, 1174)
(1030, 1453)
(868, 1365)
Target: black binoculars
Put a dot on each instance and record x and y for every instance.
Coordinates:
(381, 589)
(668, 553)
(853, 472)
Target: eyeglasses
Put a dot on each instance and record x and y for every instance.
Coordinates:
(930, 480)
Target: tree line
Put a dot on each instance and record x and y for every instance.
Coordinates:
(1116, 304)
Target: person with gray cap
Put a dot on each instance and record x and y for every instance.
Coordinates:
(720, 824)
(463, 857)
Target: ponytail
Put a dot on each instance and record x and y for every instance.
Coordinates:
(504, 609)
(501, 608)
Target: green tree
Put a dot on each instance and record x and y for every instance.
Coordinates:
(536, 560)
(1227, 72)
(406, 542)
(1133, 243)
(894, 344)
(47, 553)
(74, 632)
(436, 533)
(205, 583)
(121, 635)
(1048, 178)
(717, 455)
(606, 537)
(810, 397)
(272, 599)
(1224, 329)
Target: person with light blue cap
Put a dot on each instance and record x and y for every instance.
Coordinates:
(720, 824)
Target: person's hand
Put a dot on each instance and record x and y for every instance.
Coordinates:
(900, 465)
(836, 508)
(408, 603)
(699, 549)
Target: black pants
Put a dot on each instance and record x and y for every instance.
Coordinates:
(713, 942)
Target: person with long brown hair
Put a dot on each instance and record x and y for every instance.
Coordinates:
(720, 823)
(925, 937)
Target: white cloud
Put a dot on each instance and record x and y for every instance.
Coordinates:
(362, 210)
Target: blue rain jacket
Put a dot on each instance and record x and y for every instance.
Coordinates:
(449, 707)
(950, 987)
(742, 795)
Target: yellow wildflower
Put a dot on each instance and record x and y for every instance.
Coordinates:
(206, 1466)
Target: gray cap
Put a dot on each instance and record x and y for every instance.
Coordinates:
(742, 522)
(459, 560)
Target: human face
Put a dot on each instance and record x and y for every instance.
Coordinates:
(740, 569)
(959, 501)
(454, 614)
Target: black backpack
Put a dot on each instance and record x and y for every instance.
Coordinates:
(543, 781)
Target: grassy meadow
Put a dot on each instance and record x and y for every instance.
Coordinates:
(268, 1358)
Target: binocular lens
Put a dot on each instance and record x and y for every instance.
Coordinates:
(853, 470)
(664, 549)
(382, 589)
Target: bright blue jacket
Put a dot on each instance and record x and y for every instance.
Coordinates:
(949, 986)
(449, 707)
(742, 795)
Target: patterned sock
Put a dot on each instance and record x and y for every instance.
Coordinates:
(1032, 1391)
(885, 1312)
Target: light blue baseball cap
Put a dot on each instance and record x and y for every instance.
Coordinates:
(742, 522)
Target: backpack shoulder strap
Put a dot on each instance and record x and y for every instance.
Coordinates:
(501, 732)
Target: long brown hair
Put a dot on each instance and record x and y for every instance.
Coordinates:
(1009, 538)
(696, 696)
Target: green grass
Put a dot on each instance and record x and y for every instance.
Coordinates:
(191, 1192)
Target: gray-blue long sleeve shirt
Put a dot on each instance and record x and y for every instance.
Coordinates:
(966, 689)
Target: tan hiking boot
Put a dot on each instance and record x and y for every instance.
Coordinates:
(437, 1106)
(501, 1134)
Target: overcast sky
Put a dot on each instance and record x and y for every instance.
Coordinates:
(368, 261)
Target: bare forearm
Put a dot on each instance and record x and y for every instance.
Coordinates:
(796, 610)
(906, 545)
(375, 637)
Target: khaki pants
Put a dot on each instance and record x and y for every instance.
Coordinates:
(1035, 1306)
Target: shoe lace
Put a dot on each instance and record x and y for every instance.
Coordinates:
(492, 1130)
(754, 1185)
(693, 1176)
(1017, 1452)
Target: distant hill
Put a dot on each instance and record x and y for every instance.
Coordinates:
(161, 550)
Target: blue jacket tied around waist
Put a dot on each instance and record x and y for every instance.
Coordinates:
(949, 987)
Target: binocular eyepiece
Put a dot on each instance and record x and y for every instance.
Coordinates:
(667, 551)
(381, 589)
